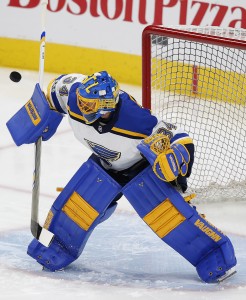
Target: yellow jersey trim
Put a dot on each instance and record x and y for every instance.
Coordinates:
(49, 93)
(73, 114)
(129, 133)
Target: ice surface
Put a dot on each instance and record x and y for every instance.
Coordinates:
(123, 259)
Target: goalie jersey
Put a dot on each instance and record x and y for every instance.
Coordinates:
(115, 140)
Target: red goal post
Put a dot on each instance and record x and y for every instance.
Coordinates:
(195, 77)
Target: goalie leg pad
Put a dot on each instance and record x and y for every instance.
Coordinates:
(179, 225)
(215, 266)
(81, 206)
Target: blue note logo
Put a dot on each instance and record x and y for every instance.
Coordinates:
(104, 153)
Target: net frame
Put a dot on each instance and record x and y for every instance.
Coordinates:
(227, 38)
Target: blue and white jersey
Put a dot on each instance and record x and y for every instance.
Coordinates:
(114, 141)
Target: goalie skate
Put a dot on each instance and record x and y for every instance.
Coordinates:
(227, 274)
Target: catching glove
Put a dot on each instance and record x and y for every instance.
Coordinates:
(167, 161)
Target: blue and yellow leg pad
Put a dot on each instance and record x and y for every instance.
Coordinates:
(179, 225)
(81, 206)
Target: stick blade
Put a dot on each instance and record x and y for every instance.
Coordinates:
(35, 229)
(44, 236)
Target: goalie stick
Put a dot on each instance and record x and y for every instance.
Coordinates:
(43, 235)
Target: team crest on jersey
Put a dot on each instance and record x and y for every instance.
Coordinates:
(170, 126)
(69, 79)
(63, 91)
(104, 153)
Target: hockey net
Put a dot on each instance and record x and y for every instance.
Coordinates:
(195, 78)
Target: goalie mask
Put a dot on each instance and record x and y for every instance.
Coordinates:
(98, 95)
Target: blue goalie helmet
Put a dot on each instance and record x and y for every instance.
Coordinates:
(97, 95)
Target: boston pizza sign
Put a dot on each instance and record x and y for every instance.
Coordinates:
(158, 12)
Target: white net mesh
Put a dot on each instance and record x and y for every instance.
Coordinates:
(202, 88)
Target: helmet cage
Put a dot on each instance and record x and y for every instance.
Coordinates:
(98, 95)
(87, 106)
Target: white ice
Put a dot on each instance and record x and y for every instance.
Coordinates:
(123, 258)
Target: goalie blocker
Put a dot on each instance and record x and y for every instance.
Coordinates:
(33, 120)
(87, 199)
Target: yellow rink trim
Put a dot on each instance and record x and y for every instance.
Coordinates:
(213, 83)
(164, 218)
(80, 211)
(63, 59)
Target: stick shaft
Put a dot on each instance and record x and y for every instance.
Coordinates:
(44, 4)
(35, 227)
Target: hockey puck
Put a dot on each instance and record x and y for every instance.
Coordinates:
(15, 76)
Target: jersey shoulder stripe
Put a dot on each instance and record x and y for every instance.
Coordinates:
(75, 116)
(52, 97)
(48, 96)
(72, 106)
(133, 120)
(128, 133)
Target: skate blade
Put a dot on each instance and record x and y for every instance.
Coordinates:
(228, 274)
(50, 271)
